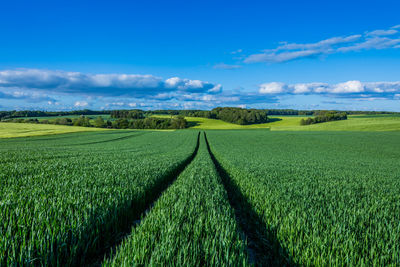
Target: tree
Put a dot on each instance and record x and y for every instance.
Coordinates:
(99, 122)
(82, 121)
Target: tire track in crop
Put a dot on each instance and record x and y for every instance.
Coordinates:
(108, 250)
(260, 250)
(135, 134)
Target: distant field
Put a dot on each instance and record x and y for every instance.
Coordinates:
(8, 130)
(353, 123)
(292, 123)
(211, 124)
(278, 123)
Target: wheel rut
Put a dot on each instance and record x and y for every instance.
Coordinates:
(109, 249)
(261, 251)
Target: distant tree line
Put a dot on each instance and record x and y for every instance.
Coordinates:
(292, 112)
(324, 116)
(229, 114)
(316, 112)
(177, 122)
(241, 116)
(38, 113)
(128, 114)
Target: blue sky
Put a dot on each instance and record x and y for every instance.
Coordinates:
(61, 55)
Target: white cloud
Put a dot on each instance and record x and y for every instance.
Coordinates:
(377, 39)
(172, 82)
(301, 88)
(216, 89)
(81, 104)
(132, 105)
(349, 88)
(372, 43)
(281, 57)
(133, 85)
(327, 43)
(192, 85)
(381, 32)
(224, 66)
(272, 88)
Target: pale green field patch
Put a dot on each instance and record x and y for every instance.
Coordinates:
(9, 130)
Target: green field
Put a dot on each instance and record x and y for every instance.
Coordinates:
(292, 123)
(353, 123)
(65, 198)
(319, 198)
(232, 197)
(9, 130)
(277, 123)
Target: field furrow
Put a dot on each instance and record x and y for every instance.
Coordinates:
(192, 224)
(260, 250)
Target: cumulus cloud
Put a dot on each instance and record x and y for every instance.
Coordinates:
(124, 105)
(81, 104)
(377, 39)
(17, 94)
(224, 66)
(132, 85)
(272, 88)
(346, 89)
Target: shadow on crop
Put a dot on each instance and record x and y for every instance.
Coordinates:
(135, 134)
(133, 216)
(113, 227)
(274, 119)
(263, 246)
(193, 123)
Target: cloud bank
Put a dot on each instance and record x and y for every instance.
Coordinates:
(132, 85)
(377, 39)
(349, 89)
(58, 90)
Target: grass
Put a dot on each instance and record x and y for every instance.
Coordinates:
(9, 130)
(353, 123)
(212, 124)
(192, 224)
(313, 198)
(65, 199)
(292, 123)
(325, 198)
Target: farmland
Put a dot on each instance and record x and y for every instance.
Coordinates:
(292, 123)
(323, 198)
(214, 197)
(64, 198)
(9, 130)
(191, 223)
